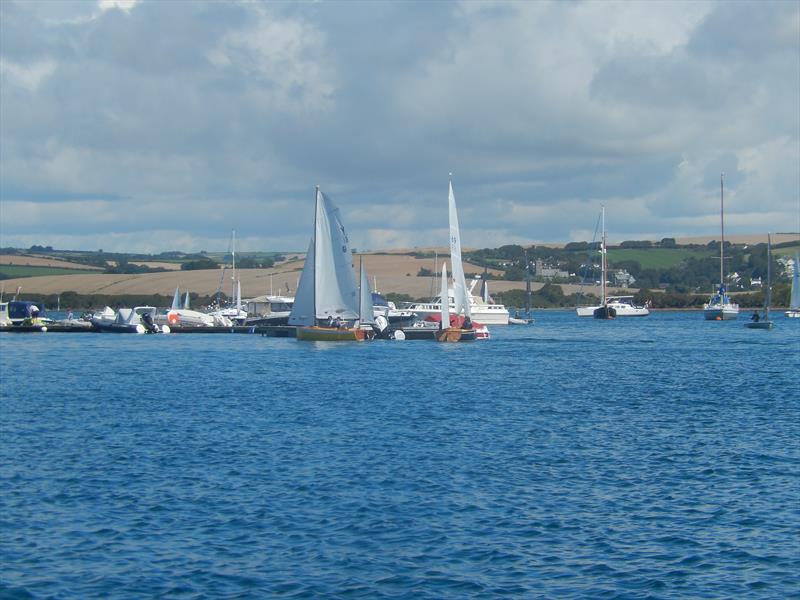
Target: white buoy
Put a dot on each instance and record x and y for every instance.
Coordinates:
(399, 335)
(165, 329)
(140, 328)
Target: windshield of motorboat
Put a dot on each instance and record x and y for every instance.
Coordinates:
(379, 300)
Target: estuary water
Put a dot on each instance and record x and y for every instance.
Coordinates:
(638, 458)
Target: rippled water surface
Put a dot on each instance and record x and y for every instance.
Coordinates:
(654, 457)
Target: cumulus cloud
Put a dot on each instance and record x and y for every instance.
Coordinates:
(178, 121)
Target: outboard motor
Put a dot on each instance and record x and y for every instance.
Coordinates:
(381, 327)
(147, 321)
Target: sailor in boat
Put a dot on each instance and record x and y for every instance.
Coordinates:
(755, 318)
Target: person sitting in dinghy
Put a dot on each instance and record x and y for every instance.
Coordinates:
(756, 317)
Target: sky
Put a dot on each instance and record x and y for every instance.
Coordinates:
(142, 126)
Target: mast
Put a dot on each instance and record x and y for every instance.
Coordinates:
(233, 262)
(435, 273)
(603, 257)
(527, 284)
(360, 283)
(769, 276)
(316, 253)
(722, 231)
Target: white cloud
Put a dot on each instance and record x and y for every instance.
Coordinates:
(227, 114)
(29, 77)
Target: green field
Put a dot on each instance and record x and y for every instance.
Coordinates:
(657, 258)
(11, 271)
(787, 251)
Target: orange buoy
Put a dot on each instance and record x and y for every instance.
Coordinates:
(173, 318)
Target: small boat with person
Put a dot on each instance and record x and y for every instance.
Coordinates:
(327, 303)
(757, 321)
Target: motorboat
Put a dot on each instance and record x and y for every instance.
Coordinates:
(269, 310)
(482, 310)
(180, 315)
(140, 319)
(23, 313)
(396, 317)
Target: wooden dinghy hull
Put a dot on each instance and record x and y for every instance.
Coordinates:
(330, 334)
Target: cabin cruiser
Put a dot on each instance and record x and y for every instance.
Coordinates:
(481, 311)
(269, 310)
(23, 312)
(622, 306)
(386, 308)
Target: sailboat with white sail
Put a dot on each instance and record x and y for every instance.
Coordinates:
(327, 303)
(794, 299)
(758, 322)
(459, 328)
(459, 297)
(720, 307)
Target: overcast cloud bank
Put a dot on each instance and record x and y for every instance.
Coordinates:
(151, 126)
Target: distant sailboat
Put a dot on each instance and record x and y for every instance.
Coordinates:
(604, 311)
(326, 305)
(719, 307)
(794, 300)
(765, 322)
(610, 307)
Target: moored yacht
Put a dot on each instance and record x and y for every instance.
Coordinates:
(622, 305)
(720, 307)
(482, 312)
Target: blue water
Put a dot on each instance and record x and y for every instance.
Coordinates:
(640, 458)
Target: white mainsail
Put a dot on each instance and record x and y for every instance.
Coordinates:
(365, 307)
(186, 301)
(327, 286)
(794, 300)
(445, 299)
(459, 282)
(303, 308)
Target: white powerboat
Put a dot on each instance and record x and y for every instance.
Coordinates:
(487, 314)
(140, 319)
(182, 316)
(481, 310)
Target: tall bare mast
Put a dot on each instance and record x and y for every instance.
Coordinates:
(603, 266)
(722, 230)
(233, 263)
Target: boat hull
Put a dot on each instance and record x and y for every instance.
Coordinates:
(759, 325)
(793, 314)
(487, 317)
(453, 334)
(330, 334)
(605, 313)
(622, 310)
(720, 314)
